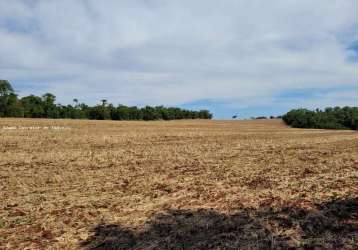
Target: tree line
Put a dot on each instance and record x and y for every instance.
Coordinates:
(329, 118)
(45, 107)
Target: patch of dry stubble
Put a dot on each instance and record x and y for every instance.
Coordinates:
(56, 185)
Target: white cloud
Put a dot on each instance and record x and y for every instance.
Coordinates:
(175, 52)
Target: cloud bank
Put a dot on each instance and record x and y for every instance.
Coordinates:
(231, 56)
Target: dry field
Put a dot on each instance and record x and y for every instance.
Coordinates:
(176, 185)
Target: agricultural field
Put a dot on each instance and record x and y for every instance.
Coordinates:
(72, 184)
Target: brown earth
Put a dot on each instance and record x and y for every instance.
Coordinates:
(176, 185)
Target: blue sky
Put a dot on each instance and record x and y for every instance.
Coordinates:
(233, 57)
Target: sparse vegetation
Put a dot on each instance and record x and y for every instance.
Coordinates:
(199, 184)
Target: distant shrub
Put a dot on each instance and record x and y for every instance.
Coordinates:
(330, 118)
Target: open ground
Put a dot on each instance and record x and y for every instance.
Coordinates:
(67, 184)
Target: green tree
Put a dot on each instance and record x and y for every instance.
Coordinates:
(9, 103)
(104, 102)
(10, 106)
(44, 107)
(75, 101)
(99, 112)
(33, 107)
(49, 106)
(5, 88)
(330, 118)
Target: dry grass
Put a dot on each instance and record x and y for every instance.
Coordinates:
(180, 184)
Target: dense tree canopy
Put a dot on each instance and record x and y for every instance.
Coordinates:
(330, 118)
(46, 107)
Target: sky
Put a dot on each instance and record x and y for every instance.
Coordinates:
(233, 57)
